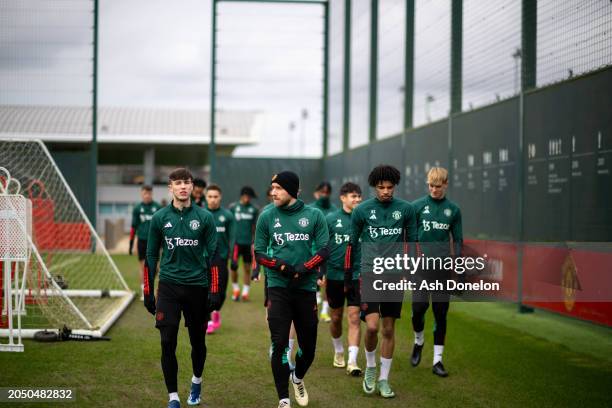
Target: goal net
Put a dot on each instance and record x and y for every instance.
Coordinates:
(68, 278)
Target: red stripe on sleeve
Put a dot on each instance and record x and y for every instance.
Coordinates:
(267, 263)
(146, 280)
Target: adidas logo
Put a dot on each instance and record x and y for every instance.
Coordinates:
(426, 211)
(168, 225)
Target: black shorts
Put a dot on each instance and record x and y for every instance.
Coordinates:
(142, 249)
(244, 251)
(172, 299)
(385, 309)
(336, 296)
(289, 305)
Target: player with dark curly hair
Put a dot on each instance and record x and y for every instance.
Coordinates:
(379, 220)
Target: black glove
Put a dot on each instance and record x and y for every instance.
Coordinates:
(286, 269)
(300, 269)
(214, 301)
(255, 274)
(131, 246)
(149, 303)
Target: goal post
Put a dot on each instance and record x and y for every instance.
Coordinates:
(68, 277)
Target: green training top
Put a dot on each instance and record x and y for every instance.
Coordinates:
(188, 238)
(437, 220)
(293, 234)
(381, 222)
(226, 231)
(246, 217)
(339, 226)
(141, 218)
(325, 205)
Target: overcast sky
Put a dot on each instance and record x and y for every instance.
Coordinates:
(156, 53)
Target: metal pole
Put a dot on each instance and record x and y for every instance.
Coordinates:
(528, 62)
(325, 78)
(409, 66)
(373, 68)
(347, 77)
(529, 31)
(213, 96)
(93, 208)
(456, 55)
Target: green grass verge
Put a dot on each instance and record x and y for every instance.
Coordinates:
(495, 358)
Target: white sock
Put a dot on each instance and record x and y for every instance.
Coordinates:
(437, 353)
(295, 379)
(419, 337)
(285, 400)
(370, 358)
(173, 396)
(338, 347)
(385, 367)
(325, 307)
(235, 287)
(353, 351)
(291, 344)
(196, 380)
(245, 290)
(142, 288)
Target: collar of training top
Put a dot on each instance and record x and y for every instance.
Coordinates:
(183, 211)
(291, 209)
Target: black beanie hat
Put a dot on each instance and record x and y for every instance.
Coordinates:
(289, 181)
(248, 190)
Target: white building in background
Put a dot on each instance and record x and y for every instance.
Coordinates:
(135, 146)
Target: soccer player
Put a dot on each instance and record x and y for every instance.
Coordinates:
(226, 235)
(245, 214)
(188, 280)
(197, 196)
(141, 220)
(291, 241)
(322, 202)
(378, 220)
(322, 196)
(339, 226)
(438, 220)
(292, 334)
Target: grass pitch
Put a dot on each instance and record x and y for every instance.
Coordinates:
(495, 358)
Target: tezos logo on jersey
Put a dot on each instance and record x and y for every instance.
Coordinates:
(180, 242)
(447, 212)
(194, 224)
(280, 238)
(429, 225)
(243, 216)
(375, 232)
(340, 238)
(303, 222)
(396, 215)
(146, 217)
